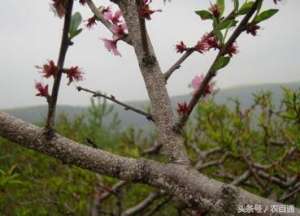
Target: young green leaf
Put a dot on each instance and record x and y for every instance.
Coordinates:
(236, 5)
(221, 5)
(221, 63)
(245, 7)
(75, 33)
(265, 15)
(204, 14)
(219, 35)
(226, 24)
(75, 22)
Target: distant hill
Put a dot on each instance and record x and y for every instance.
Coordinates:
(244, 94)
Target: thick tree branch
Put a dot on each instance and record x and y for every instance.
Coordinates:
(195, 189)
(65, 43)
(161, 108)
(113, 99)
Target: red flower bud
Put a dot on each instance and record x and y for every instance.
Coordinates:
(215, 10)
(90, 22)
(74, 74)
(42, 90)
(252, 29)
(207, 42)
(181, 47)
(59, 7)
(182, 108)
(82, 2)
(146, 12)
(49, 69)
(232, 49)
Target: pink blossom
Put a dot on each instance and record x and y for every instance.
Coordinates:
(197, 82)
(119, 31)
(207, 42)
(115, 18)
(111, 46)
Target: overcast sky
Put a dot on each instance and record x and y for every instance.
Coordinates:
(30, 34)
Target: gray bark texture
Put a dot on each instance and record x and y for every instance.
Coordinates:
(154, 79)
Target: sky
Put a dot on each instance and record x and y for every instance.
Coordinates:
(30, 35)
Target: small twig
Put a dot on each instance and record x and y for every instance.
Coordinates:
(289, 195)
(178, 63)
(200, 166)
(187, 54)
(159, 206)
(273, 179)
(65, 43)
(204, 154)
(113, 190)
(253, 171)
(113, 99)
(142, 205)
(152, 150)
(242, 178)
(212, 72)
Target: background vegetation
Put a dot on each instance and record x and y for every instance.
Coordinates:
(256, 147)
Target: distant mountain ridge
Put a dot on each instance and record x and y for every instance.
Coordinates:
(244, 94)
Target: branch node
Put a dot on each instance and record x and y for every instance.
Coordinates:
(149, 61)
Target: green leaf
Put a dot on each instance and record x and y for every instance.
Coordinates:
(75, 33)
(226, 24)
(219, 35)
(236, 5)
(246, 7)
(204, 14)
(75, 22)
(221, 5)
(265, 15)
(221, 62)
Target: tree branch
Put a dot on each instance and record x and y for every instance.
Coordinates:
(65, 43)
(195, 189)
(161, 109)
(113, 99)
(106, 23)
(187, 54)
(212, 72)
(142, 205)
(178, 63)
